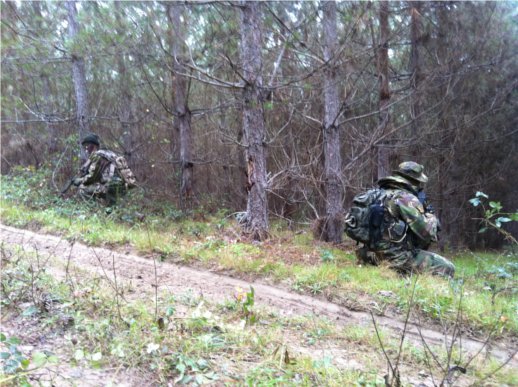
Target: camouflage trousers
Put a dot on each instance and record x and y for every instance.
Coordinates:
(408, 261)
(109, 192)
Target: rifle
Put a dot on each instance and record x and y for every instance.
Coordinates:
(70, 182)
(421, 195)
(67, 185)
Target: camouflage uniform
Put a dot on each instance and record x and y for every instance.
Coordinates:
(409, 229)
(100, 179)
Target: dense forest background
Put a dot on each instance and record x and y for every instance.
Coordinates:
(284, 109)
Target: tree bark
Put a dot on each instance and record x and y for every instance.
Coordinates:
(52, 130)
(415, 69)
(333, 223)
(383, 153)
(79, 78)
(180, 100)
(444, 211)
(125, 108)
(254, 128)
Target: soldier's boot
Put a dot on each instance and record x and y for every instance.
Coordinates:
(366, 257)
(426, 261)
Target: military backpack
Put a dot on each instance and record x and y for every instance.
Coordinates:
(120, 164)
(365, 220)
(370, 219)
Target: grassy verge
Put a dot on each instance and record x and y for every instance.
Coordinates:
(485, 284)
(86, 323)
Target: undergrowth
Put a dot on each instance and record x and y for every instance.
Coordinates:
(190, 341)
(183, 339)
(486, 282)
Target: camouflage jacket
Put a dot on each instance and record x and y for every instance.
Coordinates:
(410, 223)
(98, 169)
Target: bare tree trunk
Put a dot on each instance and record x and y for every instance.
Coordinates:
(180, 98)
(47, 93)
(79, 79)
(52, 129)
(333, 223)
(256, 222)
(383, 154)
(443, 163)
(415, 68)
(125, 108)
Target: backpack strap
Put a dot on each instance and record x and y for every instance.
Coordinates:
(397, 229)
(376, 220)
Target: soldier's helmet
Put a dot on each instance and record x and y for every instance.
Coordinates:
(91, 139)
(412, 170)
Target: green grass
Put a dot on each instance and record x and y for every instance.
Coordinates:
(360, 335)
(197, 345)
(485, 285)
(198, 342)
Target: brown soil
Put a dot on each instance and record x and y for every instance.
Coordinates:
(144, 274)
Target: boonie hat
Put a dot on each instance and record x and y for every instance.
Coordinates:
(412, 170)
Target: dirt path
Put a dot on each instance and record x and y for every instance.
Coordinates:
(141, 273)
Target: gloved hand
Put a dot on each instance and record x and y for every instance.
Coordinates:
(77, 181)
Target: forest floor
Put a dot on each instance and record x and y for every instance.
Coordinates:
(149, 280)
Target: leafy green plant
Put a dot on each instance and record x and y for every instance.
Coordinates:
(93, 358)
(16, 366)
(327, 256)
(494, 216)
(246, 301)
(13, 360)
(499, 279)
(29, 186)
(191, 371)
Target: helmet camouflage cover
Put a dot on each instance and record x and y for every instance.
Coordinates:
(91, 139)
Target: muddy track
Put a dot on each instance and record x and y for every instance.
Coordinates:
(215, 287)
